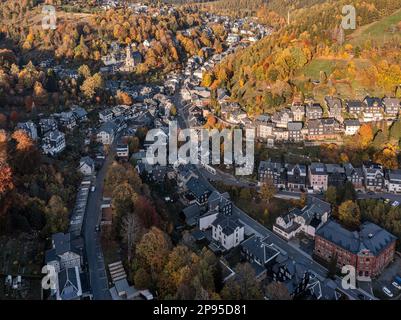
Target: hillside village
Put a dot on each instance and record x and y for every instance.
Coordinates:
(305, 247)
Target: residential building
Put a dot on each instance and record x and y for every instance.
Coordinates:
(354, 107)
(314, 111)
(391, 107)
(63, 254)
(335, 107)
(336, 175)
(69, 284)
(318, 177)
(29, 128)
(373, 176)
(122, 151)
(298, 111)
(351, 126)
(106, 115)
(282, 118)
(294, 275)
(307, 220)
(393, 181)
(67, 120)
(53, 142)
(355, 176)
(80, 114)
(369, 250)
(296, 177)
(295, 131)
(264, 128)
(227, 231)
(258, 252)
(323, 129)
(272, 171)
(86, 166)
(198, 191)
(107, 133)
(47, 124)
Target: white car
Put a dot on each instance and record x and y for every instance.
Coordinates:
(396, 285)
(388, 292)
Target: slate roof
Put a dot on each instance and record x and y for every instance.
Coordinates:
(294, 126)
(370, 237)
(259, 248)
(227, 223)
(318, 168)
(69, 284)
(352, 123)
(196, 187)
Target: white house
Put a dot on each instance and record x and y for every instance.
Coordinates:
(393, 181)
(227, 231)
(106, 133)
(106, 115)
(63, 255)
(53, 142)
(351, 126)
(86, 166)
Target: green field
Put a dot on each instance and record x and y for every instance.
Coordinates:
(381, 31)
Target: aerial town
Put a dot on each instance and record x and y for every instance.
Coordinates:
(85, 216)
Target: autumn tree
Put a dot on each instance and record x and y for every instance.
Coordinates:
(349, 214)
(365, 135)
(153, 251)
(267, 190)
(277, 291)
(244, 286)
(56, 216)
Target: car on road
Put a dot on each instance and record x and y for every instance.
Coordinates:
(388, 292)
(371, 193)
(97, 228)
(396, 285)
(93, 188)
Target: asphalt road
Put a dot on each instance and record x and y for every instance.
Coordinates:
(94, 254)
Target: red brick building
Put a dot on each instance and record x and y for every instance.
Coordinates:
(370, 250)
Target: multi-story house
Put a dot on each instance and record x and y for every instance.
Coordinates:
(198, 191)
(355, 176)
(227, 231)
(296, 177)
(122, 151)
(298, 111)
(280, 134)
(68, 120)
(354, 107)
(318, 177)
(314, 111)
(336, 175)
(306, 220)
(373, 176)
(80, 114)
(53, 142)
(295, 131)
(393, 181)
(282, 118)
(369, 251)
(46, 125)
(107, 133)
(217, 203)
(391, 107)
(335, 107)
(373, 110)
(106, 115)
(29, 128)
(272, 171)
(351, 126)
(293, 274)
(323, 129)
(258, 252)
(264, 128)
(86, 166)
(63, 254)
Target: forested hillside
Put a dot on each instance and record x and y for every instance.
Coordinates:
(313, 56)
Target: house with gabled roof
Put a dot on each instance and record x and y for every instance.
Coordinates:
(69, 284)
(63, 254)
(227, 231)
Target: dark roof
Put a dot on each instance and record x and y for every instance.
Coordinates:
(294, 126)
(69, 284)
(227, 223)
(317, 168)
(370, 237)
(196, 187)
(259, 248)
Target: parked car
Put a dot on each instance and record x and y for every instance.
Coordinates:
(388, 292)
(396, 285)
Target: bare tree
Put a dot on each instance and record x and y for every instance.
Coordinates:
(131, 231)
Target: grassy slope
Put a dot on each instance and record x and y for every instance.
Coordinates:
(379, 31)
